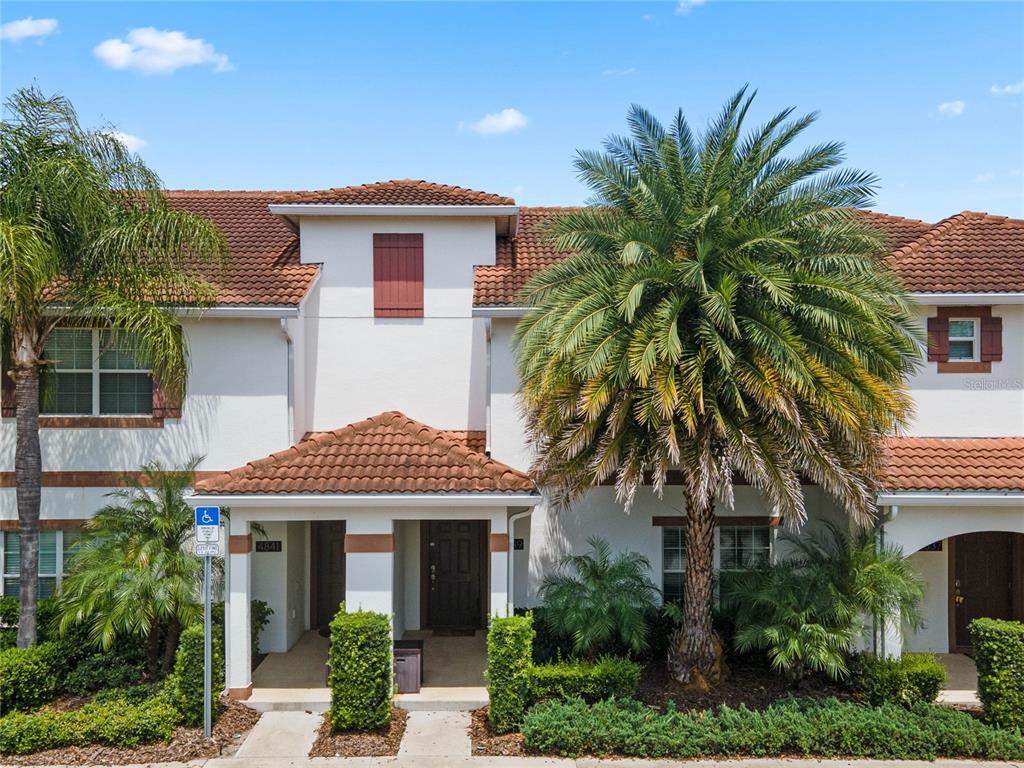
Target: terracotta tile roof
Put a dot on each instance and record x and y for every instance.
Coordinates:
(966, 253)
(955, 464)
(397, 192)
(264, 267)
(389, 453)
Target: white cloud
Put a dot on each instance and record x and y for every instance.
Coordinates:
(685, 6)
(131, 142)
(983, 178)
(648, 17)
(22, 28)
(952, 108)
(499, 122)
(157, 51)
(1010, 89)
(612, 71)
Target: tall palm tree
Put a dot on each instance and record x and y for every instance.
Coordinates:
(85, 236)
(132, 573)
(726, 315)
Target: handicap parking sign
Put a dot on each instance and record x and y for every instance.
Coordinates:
(207, 516)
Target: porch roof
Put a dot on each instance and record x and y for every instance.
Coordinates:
(955, 464)
(385, 454)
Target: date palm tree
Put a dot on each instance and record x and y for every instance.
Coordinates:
(86, 236)
(133, 574)
(726, 315)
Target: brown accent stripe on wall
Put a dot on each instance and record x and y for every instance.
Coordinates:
(100, 422)
(680, 520)
(45, 525)
(499, 542)
(369, 542)
(86, 479)
(240, 544)
(240, 694)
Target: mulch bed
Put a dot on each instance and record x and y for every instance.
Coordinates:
(235, 720)
(382, 742)
(486, 742)
(751, 684)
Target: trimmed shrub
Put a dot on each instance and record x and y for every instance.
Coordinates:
(29, 676)
(100, 671)
(361, 668)
(912, 679)
(509, 661)
(117, 724)
(999, 656)
(186, 684)
(812, 728)
(591, 681)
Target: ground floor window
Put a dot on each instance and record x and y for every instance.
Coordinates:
(55, 549)
(737, 548)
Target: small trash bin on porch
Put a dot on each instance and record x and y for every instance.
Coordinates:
(408, 665)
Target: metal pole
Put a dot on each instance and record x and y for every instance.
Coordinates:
(207, 650)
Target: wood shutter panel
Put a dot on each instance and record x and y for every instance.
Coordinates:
(398, 275)
(991, 339)
(164, 405)
(938, 339)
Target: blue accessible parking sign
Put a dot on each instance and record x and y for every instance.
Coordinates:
(207, 516)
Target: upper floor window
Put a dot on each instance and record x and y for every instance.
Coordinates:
(963, 338)
(96, 374)
(398, 275)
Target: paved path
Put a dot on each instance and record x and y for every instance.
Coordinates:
(436, 734)
(281, 734)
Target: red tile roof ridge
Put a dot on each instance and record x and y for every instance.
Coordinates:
(222, 192)
(477, 196)
(943, 228)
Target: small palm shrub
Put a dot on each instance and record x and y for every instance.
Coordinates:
(599, 600)
(807, 610)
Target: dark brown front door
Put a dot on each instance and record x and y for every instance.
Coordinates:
(454, 572)
(983, 581)
(328, 570)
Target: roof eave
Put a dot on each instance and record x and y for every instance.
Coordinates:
(956, 299)
(315, 500)
(290, 210)
(493, 311)
(951, 498)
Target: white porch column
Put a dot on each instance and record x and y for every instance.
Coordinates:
(236, 620)
(369, 563)
(499, 543)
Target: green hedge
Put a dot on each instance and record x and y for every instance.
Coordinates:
(811, 728)
(186, 683)
(361, 668)
(999, 656)
(592, 681)
(46, 611)
(29, 677)
(509, 662)
(116, 723)
(912, 679)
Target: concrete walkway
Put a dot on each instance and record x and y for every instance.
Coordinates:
(281, 735)
(961, 680)
(436, 734)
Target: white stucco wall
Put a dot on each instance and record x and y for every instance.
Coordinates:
(974, 404)
(281, 579)
(934, 635)
(432, 368)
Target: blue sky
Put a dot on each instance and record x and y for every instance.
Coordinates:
(929, 96)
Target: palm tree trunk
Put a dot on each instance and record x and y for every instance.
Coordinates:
(153, 650)
(695, 655)
(27, 474)
(171, 644)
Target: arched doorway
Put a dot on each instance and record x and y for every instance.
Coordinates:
(986, 579)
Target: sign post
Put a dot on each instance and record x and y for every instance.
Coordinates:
(208, 547)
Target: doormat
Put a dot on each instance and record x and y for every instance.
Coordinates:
(454, 632)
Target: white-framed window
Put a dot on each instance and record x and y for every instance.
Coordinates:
(96, 374)
(737, 548)
(55, 550)
(964, 342)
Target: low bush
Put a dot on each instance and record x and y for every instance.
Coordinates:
(999, 656)
(826, 728)
(509, 662)
(911, 679)
(186, 683)
(29, 677)
(10, 613)
(100, 671)
(361, 671)
(117, 724)
(591, 681)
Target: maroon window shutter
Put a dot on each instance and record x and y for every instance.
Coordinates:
(7, 401)
(938, 339)
(991, 339)
(398, 275)
(165, 406)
